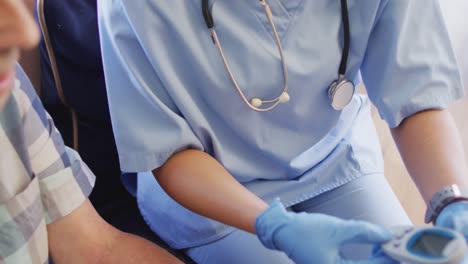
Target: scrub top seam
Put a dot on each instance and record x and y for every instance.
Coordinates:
(329, 187)
(293, 20)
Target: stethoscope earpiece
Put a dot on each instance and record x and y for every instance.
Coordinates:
(256, 102)
(283, 98)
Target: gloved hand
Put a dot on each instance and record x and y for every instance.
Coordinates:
(455, 216)
(316, 238)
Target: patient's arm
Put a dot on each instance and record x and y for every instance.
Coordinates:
(201, 184)
(84, 237)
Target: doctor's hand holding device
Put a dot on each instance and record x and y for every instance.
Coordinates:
(290, 233)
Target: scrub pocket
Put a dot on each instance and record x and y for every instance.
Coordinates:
(22, 222)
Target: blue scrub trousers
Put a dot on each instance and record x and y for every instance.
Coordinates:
(368, 198)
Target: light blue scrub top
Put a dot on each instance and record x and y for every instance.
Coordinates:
(169, 91)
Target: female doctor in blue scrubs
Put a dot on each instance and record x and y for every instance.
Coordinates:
(232, 104)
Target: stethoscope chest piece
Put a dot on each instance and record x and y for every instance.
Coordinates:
(340, 93)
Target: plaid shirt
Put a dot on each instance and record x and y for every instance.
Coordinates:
(41, 180)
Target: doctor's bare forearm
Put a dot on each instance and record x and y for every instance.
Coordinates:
(200, 183)
(431, 148)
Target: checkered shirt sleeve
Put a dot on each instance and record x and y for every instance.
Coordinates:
(41, 180)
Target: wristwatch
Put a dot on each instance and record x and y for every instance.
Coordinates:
(447, 195)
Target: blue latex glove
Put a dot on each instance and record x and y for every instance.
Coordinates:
(455, 216)
(316, 238)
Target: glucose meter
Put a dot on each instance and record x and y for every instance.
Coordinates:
(426, 245)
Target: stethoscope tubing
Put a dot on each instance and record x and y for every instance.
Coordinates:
(278, 99)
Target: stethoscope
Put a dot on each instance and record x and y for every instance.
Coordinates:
(340, 92)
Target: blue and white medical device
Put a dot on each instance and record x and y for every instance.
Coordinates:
(426, 245)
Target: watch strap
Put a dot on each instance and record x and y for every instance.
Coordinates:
(445, 196)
